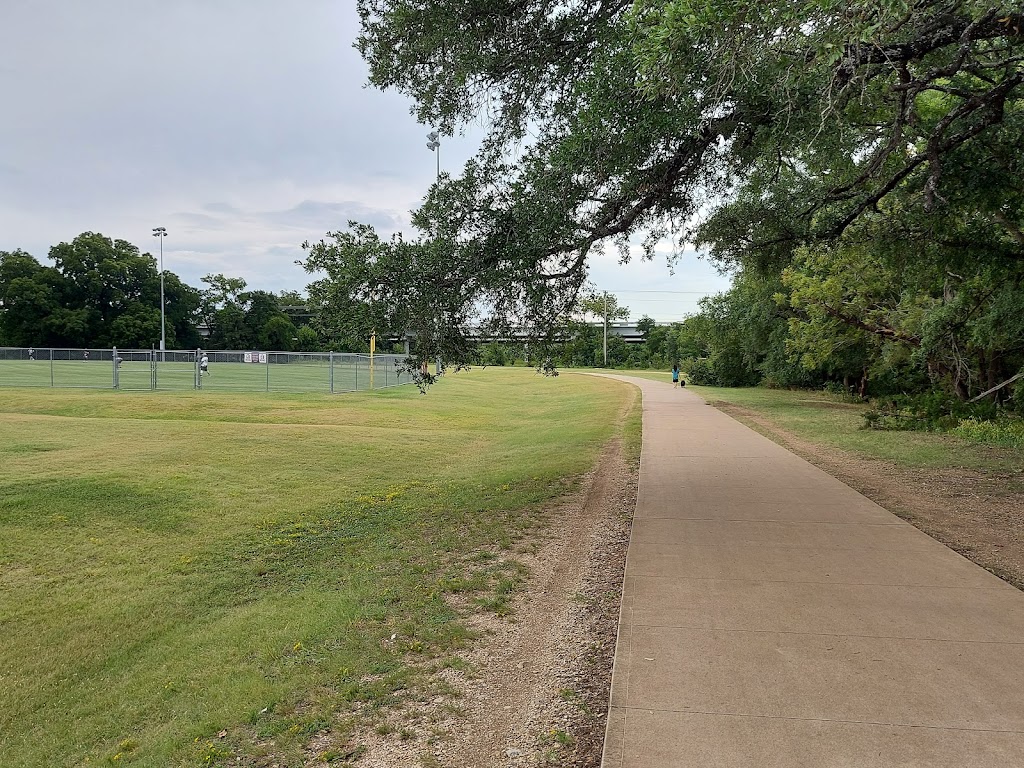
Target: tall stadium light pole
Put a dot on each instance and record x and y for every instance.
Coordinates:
(434, 145)
(162, 233)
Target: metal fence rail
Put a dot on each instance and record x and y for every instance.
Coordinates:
(225, 371)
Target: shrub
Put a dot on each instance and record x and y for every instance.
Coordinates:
(836, 388)
(1017, 398)
(701, 372)
(494, 353)
(1005, 432)
(731, 370)
(934, 411)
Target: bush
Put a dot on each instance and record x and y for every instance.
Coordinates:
(778, 372)
(1017, 398)
(731, 370)
(841, 392)
(495, 353)
(701, 373)
(723, 369)
(836, 388)
(930, 411)
(1005, 432)
(308, 341)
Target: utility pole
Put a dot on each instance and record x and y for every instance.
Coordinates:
(606, 329)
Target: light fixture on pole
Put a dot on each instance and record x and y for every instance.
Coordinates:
(161, 233)
(434, 145)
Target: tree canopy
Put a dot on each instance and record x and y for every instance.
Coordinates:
(102, 292)
(757, 132)
(99, 292)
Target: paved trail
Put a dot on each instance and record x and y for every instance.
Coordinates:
(774, 617)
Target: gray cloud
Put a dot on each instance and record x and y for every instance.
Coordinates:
(261, 246)
(201, 221)
(323, 216)
(241, 125)
(317, 216)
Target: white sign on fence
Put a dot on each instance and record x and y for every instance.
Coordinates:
(254, 357)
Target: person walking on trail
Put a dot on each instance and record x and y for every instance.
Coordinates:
(675, 374)
(204, 365)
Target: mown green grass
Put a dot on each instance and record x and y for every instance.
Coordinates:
(827, 420)
(823, 419)
(665, 375)
(177, 565)
(633, 427)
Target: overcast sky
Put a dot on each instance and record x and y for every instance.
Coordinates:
(242, 126)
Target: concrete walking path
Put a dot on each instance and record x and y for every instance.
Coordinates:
(773, 617)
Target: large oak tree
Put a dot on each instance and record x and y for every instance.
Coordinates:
(753, 130)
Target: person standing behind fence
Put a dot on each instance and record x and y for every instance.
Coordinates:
(31, 354)
(85, 355)
(204, 365)
(675, 374)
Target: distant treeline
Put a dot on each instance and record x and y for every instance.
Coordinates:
(855, 319)
(916, 335)
(102, 292)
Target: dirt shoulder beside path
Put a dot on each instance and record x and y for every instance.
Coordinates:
(979, 515)
(533, 689)
(541, 693)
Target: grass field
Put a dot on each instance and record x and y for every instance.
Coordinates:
(824, 419)
(665, 376)
(223, 377)
(175, 566)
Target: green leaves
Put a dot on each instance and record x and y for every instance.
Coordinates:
(100, 292)
(882, 133)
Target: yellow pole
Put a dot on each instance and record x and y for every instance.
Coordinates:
(373, 347)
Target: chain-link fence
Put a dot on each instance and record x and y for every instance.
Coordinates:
(224, 371)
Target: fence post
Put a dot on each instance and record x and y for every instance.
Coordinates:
(114, 361)
(51, 367)
(355, 367)
(152, 368)
(332, 371)
(268, 371)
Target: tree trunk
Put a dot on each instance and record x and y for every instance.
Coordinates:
(960, 388)
(994, 374)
